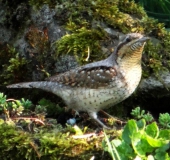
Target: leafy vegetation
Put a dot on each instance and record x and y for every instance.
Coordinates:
(137, 113)
(164, 120)
(141, 138)
(140, 141)
(15, 65)
(52, 109)
(27, 133)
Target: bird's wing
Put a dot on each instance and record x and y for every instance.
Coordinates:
(92, 77)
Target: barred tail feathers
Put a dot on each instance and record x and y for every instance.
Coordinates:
(53, 87)
(25, 85)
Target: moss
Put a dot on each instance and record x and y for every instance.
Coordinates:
(38, 60)
(83, 44)
(83, 20)
(48, 144)
(133, 8)
(13, 65)
(24, 133)
(111, 12)
(85, 37)
(79, 20)
(157, 56)
(38, 4)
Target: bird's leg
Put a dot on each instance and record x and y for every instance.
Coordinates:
(94, 116)
(115, 119)
(108, 115)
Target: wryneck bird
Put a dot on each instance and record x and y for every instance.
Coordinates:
(101, 84)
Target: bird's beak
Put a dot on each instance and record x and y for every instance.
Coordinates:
(144, 39)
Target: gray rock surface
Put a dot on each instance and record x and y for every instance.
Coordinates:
(156, 87)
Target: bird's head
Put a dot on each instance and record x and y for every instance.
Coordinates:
(129, 51)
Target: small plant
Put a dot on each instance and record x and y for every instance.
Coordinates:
(2, 99)
(11, 107)
(139, 114)
(26, 103)
(33, 136)
(164, 120)
(140, 141)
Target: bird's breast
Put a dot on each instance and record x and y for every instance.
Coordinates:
(133, 77)
(88, 99)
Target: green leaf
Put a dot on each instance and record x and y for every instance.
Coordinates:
(18, 102)
(161, 153)
(125, 150)
(165, 134)
(2, 98)
(141, 124)
(140, 144)
(152, 130)
(155, 142)
(136, 113)
(108, 147)
(148, 117)
(26, 103)
(1, 121)
(130, 128)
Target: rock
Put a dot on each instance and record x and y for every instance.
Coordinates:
(152, 86)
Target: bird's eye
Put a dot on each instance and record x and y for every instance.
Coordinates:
(128, 39)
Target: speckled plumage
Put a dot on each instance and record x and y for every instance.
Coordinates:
(101, 84)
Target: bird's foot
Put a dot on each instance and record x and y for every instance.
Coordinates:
(94, 116)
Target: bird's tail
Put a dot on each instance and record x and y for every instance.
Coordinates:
(53, 87)
(25, 85)
(29, 85)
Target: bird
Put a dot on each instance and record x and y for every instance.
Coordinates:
(98, 85)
